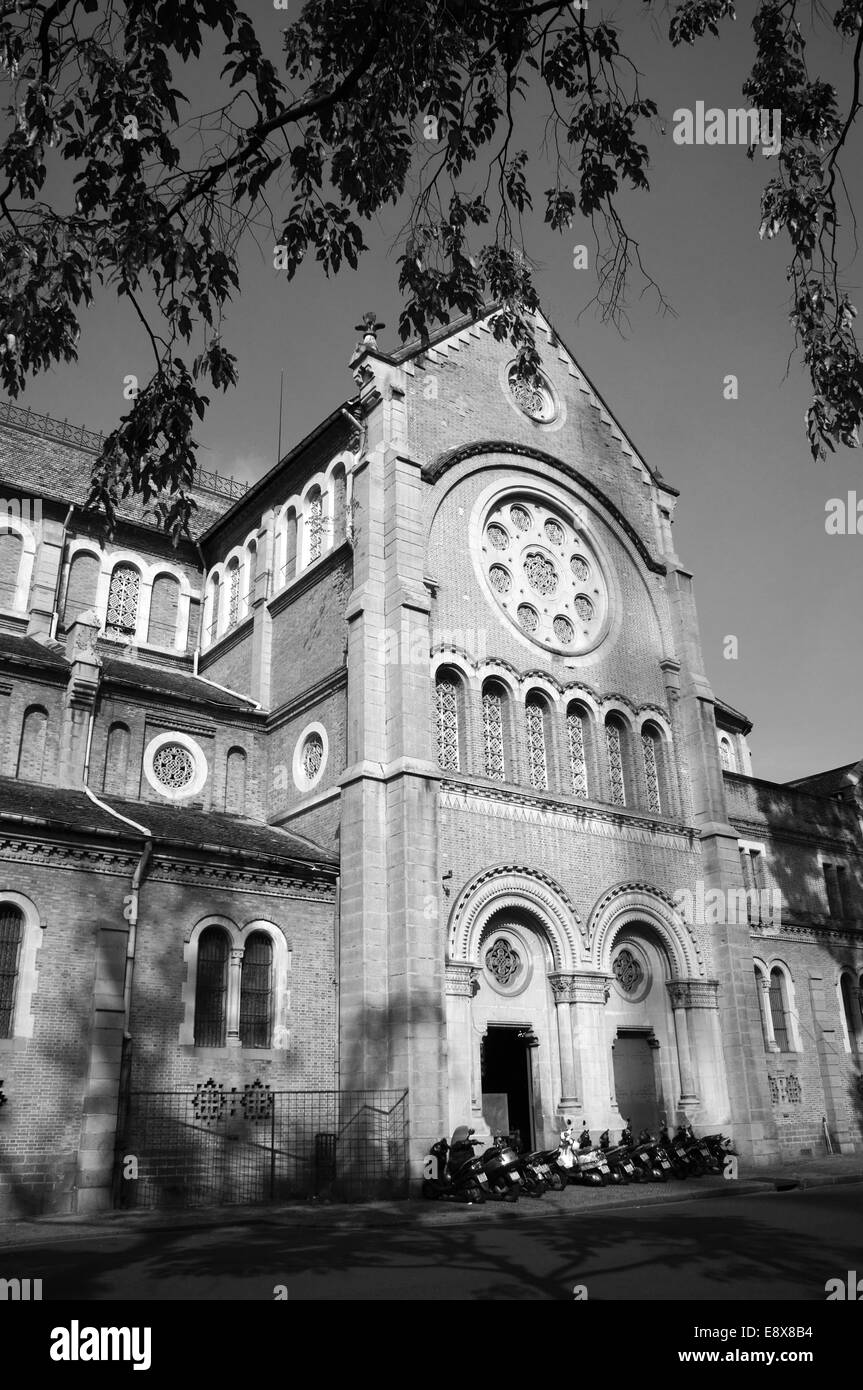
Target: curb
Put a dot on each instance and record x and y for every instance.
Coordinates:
(429, 1214)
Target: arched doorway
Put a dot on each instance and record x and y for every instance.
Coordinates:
(641, 1030)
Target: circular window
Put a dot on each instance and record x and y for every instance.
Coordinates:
(506, 959)
(175, 766)
(310, 757)
(534, 398)
(631, 971)
(544, 573)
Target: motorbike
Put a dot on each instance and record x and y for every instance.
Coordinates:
(544, 1161)
(501, 1166)
(453, 1172)
(658, 1158)
(688, 1151)
(620, 1165)
(718, 1146)
(566, 1164)
(680, 1165)
(592, 1168)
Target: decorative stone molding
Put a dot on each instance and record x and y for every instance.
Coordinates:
(628, 904)
(590, 989)
(604, 822)
(514, 886)
(462, 979)
(563, 987)
(693, 994)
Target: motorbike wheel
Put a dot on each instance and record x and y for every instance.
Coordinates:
(429, 1190)
(558, 1182)
(473, 1192)
(697, 1168)
(535, 1188)
(603, 1180)
(660, 1175)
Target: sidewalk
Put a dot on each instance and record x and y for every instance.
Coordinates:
(574, 1201)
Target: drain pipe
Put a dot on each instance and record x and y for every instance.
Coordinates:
(130, 908)
(55, 616)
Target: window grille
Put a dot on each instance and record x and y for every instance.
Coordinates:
(615, 764)
(316, 526)
(492, 733)
(234, 595)
(313, 755)
(173, 766)
(11, 931)
(778, 1012)
(447, 725)
(256, 991)
(211, 988)
(536, 756)
(123, 596)
(651, 772)
(577, 760)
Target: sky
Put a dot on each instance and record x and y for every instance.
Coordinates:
(750, 520)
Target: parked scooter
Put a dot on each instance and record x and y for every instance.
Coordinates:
(688, 1151)
(452, 1172)
(567, 1165)
(500, 1163)
(659, 1160)
(592, 1168)
(544, 1162)
(680, 1165)
(620, 1165)
(719, 1146)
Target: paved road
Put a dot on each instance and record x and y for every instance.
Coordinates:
(771, 1246)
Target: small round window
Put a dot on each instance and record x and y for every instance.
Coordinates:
(175, 766)
(310, 757)
(535, 397)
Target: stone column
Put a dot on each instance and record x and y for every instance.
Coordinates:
(766, 1014)
(589, 995)
(461, 986)
(562, 989)
(84, 668)
(680, 1000)
(232, 1005)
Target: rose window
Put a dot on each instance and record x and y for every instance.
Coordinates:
(543, 571)
(173, 766)
(628, 972)
(541, 574)
(313, 755)
(503, 961)
(535, 397)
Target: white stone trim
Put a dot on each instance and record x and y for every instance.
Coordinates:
(521, 889)
(301, 781)
(14, 524)
(201, 768)
(639, 904)
(238, 936)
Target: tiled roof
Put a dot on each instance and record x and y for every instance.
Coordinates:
(171, 827)
(34, 465)
(826, 783)
(29, 650)
(164, 682)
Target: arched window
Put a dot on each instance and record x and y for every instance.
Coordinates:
(233, 592)
(11, 555)
(535, 731)
(164, 609)
(212, 609)
(290, 569)
(577, 737)
(116, 760)
(314, 522)
(256, 991)
(340, 486)
(11, 936)
(778, 998)
(81, 585)
(726, 753)
(614, 738)
(650, 753)
(123, 596)
(31, 749)
(447, 712)
(251, 575)
(493, 714)
(851, 1011)
(235, 782)
(211, 988)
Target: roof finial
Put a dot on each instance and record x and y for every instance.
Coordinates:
(370, 327)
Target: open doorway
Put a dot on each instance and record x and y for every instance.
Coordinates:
(507, 1082)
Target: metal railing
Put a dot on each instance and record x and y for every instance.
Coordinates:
(253, 1145)
(91, 441)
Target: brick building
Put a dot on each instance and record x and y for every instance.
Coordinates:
(399, 790)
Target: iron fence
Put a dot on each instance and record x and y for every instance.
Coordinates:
(252, 1145)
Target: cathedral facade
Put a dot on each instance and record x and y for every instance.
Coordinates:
(402, 781)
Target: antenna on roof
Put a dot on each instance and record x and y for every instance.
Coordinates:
(281, 391)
